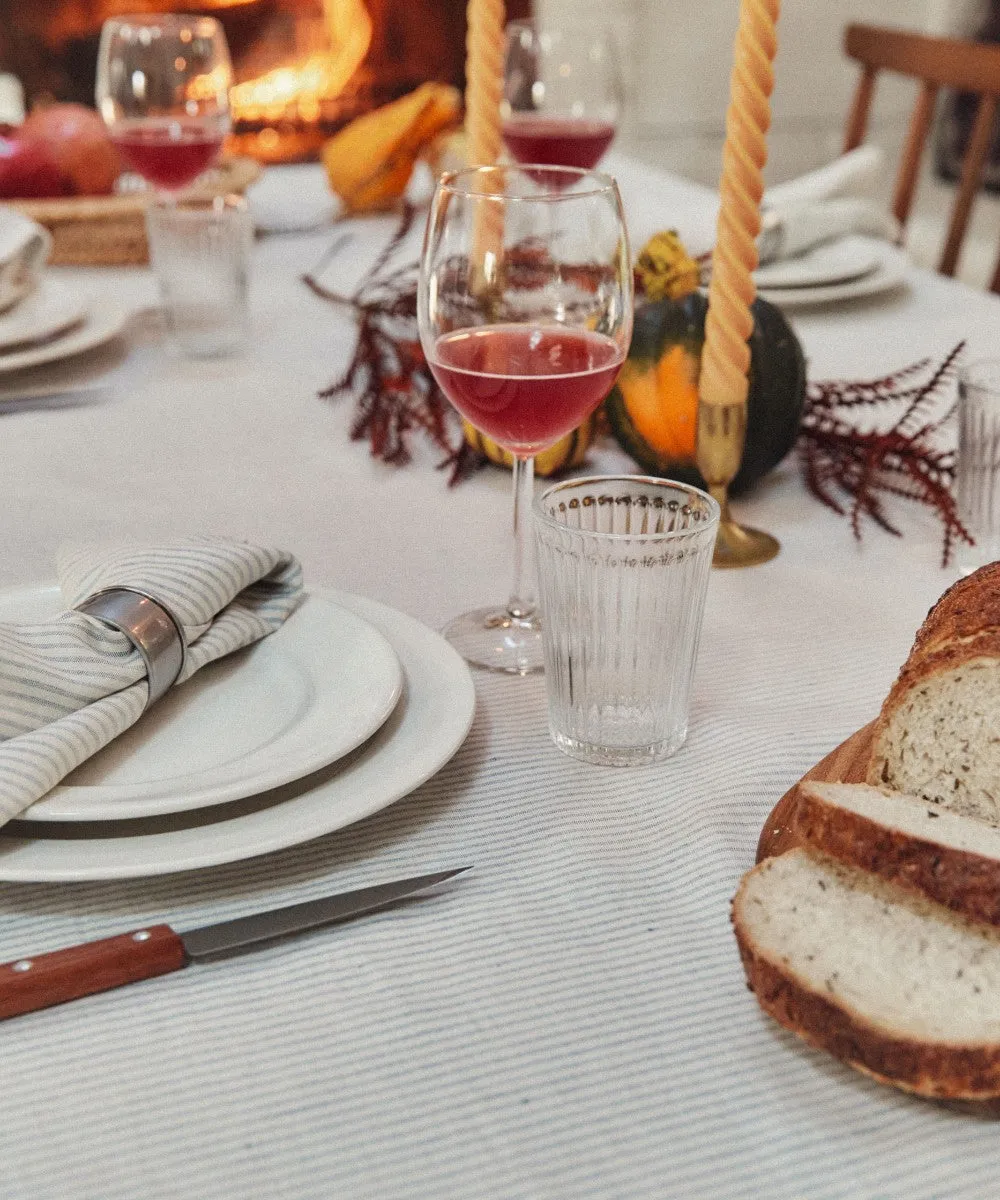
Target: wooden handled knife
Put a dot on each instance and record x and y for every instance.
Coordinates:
(27, 984)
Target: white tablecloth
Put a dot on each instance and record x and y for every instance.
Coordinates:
(571, 1020)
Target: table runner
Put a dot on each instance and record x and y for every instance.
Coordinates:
(570, 1020)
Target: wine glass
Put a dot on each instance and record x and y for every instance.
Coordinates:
(525, 314)
(163, 92)
(562, 94)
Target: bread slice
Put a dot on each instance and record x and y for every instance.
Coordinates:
(908, 841)
(891, 983)
(938, 734)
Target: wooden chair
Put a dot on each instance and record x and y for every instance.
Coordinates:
(938, 63)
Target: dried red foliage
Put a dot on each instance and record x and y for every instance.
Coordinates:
(388, 377)
(852, 468)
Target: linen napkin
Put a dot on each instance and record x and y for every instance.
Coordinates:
(24, 249)
(852, 174)
(823, 205)
(70, 685)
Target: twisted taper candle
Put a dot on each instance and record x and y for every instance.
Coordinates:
(725, 361)
(484, 80)
(725, 358)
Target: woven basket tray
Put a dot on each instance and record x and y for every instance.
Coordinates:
(109, 231)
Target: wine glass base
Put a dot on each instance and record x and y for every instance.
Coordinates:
(494, 640)
(739, 546)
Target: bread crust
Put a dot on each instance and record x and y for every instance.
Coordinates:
(968, 607)
(935, 1071)
(963, 881)
(918, 669)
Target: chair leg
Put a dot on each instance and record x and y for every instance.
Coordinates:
(995, 285)
(857, 121)
(909, 166)
(972, 170)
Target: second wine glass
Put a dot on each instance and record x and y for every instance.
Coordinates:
(163, 92)
(562, 93)
(525, 314)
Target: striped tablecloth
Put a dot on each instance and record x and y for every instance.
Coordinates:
(571, 1019)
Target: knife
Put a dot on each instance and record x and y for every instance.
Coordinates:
(27, 984)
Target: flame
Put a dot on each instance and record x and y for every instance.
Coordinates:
(301, 87)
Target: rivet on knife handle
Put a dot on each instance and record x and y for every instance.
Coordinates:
(27, 984)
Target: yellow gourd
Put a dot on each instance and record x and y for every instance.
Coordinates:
(664, 268)
(569, 451)
(369, 162)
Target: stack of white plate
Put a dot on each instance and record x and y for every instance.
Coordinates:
(349, 706)
(844, 269)
(53, 322)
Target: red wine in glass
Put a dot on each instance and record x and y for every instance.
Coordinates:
(169, 152)
(525, 387)
(558, 141)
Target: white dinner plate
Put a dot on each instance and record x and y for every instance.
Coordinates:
(892, 271)
(101, 324)
(47, 311)
(297, 700)
(427, 727)
(837, 261)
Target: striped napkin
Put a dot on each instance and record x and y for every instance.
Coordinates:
(70, 685)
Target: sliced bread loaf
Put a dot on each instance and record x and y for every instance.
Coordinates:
(889, 982)
(938, 734)
(906, 840)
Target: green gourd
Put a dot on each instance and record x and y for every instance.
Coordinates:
(653, 408)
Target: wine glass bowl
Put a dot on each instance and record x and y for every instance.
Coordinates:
(562, 94)
(525, 316)
(163, 92)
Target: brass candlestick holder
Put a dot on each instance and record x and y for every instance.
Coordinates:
(719, 450)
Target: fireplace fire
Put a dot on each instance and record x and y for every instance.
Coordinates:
(285, 111)
(303, 68)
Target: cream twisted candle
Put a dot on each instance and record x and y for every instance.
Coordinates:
(725, 358)
(484, 80)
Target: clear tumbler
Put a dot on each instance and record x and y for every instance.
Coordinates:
(623, 567)
(978, 465)
(200, 251)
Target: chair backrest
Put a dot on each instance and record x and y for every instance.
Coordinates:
(938, 63)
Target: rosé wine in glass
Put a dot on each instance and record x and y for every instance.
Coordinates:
(562, 95)
(525, 387)
(167, 152)
(163, 92)
(557, 141)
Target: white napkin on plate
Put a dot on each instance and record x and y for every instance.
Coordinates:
(818, 207)
(24, 250)
(70, 685)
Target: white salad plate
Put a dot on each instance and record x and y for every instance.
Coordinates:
(428, 725)
(891, 271)
(99, 325)
(47, 311)
(297, 700)
(837, 261)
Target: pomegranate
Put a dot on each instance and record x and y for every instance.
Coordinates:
(79, 143)
(29, 171)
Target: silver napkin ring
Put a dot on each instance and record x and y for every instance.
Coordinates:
(149, 627)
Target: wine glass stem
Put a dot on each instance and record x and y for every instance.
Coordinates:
(522, 603)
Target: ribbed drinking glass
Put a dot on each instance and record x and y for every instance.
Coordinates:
(978, 464)
(623, 568)
(200, 250)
